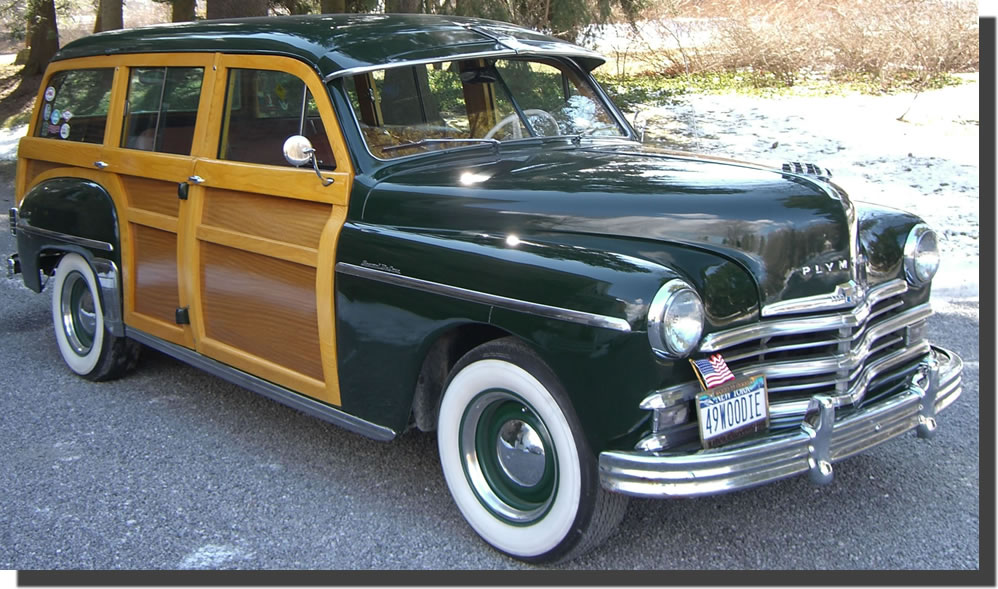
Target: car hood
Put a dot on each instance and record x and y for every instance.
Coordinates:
(790, 232)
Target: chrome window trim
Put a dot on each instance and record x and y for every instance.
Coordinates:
(539, 309)
(725, 339)
(73, 239)
(366, 69)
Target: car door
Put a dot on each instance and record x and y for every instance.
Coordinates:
(154, 129)
(261, 234)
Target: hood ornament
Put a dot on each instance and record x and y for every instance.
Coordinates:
(847, 294)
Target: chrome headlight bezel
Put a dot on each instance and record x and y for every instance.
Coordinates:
(673, 293)
(921, 243)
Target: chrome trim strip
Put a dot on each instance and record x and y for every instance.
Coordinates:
(365, 69)
(724, 339)
(844, 295)
(558, 313)
(80, 241)
(265, 388)
(847, 361)
(820, 439)
(522, 49)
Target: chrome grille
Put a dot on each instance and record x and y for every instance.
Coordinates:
(854, 356)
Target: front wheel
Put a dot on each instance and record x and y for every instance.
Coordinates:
(87, 347)
(515, 459)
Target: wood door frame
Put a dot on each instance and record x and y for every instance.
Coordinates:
(284, 182)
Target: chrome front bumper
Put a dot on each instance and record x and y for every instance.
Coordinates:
(820, 441)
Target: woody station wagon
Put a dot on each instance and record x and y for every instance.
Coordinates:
(395, 222)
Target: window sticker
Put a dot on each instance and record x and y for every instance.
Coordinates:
(64, 130)
(67, 115)
(56, 115)
(50, 93)
(48, 111)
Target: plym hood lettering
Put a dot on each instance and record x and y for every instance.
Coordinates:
(773, 224)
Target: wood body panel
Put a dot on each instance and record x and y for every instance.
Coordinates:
(262, 305)
(152, 195)
(155, 254)
(252, 250)
(278, 219)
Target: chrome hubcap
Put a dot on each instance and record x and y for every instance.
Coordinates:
(79, 313)
(520, 453)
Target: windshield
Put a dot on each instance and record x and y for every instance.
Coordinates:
(412, 109)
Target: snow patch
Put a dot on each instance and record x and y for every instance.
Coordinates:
(212, 556)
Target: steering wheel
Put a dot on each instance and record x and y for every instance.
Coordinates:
(517, 134)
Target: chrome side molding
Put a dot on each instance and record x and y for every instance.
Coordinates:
(551, 312)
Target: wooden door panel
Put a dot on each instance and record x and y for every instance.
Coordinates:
(263, 306)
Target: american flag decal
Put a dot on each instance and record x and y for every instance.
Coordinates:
(712, 371)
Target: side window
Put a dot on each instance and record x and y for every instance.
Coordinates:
(161, 109)
(75, 105)
(262, 109)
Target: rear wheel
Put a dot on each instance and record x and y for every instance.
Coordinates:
(515, 459)
(86, 345)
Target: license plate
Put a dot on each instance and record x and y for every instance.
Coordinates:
(732, 410)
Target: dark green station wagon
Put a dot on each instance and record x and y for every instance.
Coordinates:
(395, 222)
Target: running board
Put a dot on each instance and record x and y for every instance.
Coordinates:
(265, 388)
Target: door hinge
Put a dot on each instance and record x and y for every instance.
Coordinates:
(183, 316)
(182, 190)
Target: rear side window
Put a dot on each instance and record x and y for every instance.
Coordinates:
(265, 107)
(162, 108)
(75, 104)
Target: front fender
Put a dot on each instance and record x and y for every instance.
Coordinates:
(582, 309)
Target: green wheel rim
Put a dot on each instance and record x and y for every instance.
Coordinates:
(508, 457)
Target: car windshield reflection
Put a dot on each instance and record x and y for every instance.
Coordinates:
(415, 108)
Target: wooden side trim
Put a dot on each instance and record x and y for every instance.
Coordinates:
(297, 183)
(155, 220)
(305, 256)
(325, 301)
(71, 153)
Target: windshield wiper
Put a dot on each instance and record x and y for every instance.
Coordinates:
(422, 142)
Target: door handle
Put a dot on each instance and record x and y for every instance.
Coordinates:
(100, 165)
(196, 180)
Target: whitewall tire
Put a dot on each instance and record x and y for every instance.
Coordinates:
(515, 460)
(85, 344)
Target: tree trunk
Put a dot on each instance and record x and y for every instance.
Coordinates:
(42, 35)
(109, 16)
(402, 5)
(333, 6)
(183, 10)
(236, 8)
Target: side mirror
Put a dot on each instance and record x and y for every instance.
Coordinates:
(298, 151)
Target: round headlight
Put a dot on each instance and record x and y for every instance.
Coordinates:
(675, 320)
(921, 255)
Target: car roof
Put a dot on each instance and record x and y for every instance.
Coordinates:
(337, 44)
